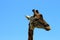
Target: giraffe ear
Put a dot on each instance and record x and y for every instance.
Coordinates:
(28, 17)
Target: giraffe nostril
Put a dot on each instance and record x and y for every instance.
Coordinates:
(47, 24)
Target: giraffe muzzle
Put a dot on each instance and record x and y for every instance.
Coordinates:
(47, 28)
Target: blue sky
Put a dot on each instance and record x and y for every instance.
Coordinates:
(14, 25)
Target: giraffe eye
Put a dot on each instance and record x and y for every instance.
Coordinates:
(36, 19)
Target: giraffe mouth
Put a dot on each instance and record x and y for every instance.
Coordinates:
(47, 28)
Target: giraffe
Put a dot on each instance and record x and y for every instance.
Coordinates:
(36, 21)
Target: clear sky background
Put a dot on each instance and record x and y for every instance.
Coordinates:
(14, 25)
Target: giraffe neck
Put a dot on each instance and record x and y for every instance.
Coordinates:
(30, 34)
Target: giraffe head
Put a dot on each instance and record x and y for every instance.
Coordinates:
(40, 21)
(37, 20)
